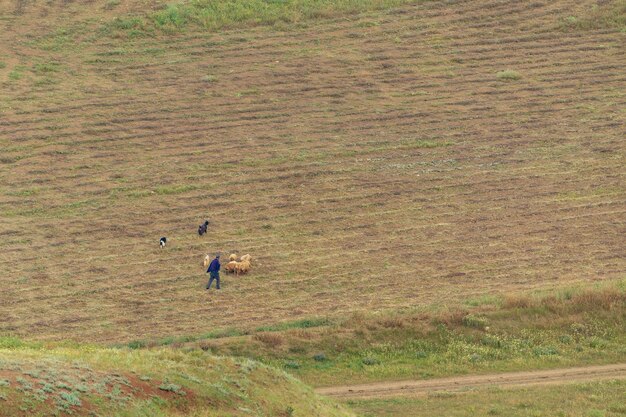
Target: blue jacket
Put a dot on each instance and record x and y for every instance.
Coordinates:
(215, 266)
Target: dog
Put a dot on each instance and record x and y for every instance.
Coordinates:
(163, 242)
(203, 228)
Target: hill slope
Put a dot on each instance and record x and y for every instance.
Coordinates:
(87, 380)
(378, 161)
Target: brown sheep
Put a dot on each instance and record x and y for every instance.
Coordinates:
(242, 267)
(246, 257)
(232, 257)
(231, 266)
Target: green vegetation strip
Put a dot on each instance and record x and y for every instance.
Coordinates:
(216, 14)
(509, 333)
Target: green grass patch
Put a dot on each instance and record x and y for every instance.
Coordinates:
(213, 15)
(175, 189)
(508, 75)
(17, 73)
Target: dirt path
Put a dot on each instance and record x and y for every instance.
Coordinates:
(553, 376)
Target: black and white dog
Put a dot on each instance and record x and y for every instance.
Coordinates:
(203, 228)
(162, 242)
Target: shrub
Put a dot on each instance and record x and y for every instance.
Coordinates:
(475, 357)
(167, 386)
(545, 351)
(370, 361)
(136, 344)
(320, 357)
(69, 399)
(292, 365)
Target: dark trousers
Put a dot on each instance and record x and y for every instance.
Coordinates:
(215, 277)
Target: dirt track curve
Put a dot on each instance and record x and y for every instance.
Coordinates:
(552, 376)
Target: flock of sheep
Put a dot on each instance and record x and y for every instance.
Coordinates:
(233, 266)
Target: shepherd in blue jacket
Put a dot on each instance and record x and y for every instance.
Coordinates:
(214, 270)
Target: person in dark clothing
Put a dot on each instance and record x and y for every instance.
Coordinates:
(214, 271)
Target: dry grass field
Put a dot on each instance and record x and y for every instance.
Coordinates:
(378, 161)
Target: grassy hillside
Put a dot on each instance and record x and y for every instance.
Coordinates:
(572, 327)
(38, 380)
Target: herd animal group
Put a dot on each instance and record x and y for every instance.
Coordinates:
(233, 266)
